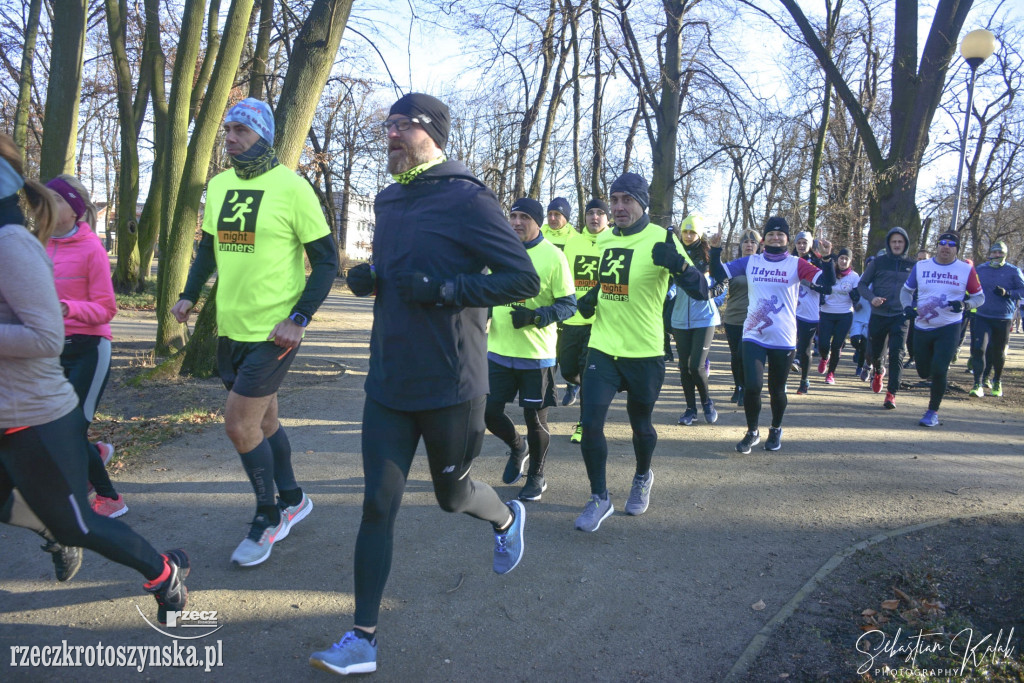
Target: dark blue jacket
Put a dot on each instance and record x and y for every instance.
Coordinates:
(448, 225)
(1009, 278)
(885, 277)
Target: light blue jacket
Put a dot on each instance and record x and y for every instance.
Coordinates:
(690, 314)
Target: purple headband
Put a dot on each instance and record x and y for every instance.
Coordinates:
(74, 200)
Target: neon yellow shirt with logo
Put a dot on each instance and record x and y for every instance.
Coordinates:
(584, 256)
(532, 341)
(629, 320)
(259, 226)
(559, 237)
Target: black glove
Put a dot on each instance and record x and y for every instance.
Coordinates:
(1001, 291)
(418, 288)
(909, 312)
(956, 306)
(587, 304)
(362, 279)
(855, 295)
(665, 255)
(522, 316)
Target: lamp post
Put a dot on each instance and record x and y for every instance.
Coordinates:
(977, 46)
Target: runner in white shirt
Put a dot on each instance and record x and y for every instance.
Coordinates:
(945, 286)
(769, 333)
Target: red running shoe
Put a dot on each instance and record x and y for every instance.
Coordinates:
(876, 382)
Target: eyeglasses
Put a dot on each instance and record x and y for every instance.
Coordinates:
(403, 124)
(948, 243)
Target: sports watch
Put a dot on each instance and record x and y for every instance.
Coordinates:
(299, 319)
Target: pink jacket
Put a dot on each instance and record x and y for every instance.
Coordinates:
(82, 273)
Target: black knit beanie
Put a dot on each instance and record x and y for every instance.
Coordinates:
(776, 223)
(598, 204)
(531, 207)
(432, 113)
(561, 205)
(635, 186)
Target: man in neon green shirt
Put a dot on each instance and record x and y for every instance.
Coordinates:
(521, 350)
(584, 256)
(627, 340)
(260, 218)
(558, 230)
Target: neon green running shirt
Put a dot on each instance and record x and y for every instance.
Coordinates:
(259, 226)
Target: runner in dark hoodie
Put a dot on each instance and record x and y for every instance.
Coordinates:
(880, 285)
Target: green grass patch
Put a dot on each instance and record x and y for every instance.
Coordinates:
(134, 437)
(139, 301)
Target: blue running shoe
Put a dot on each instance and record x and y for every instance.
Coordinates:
(688, 417)
(930, 419)
(508, 546)
(710, 414)
(350, 655)
(572, 391)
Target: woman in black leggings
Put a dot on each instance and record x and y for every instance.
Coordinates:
(769, 333)
(42, 443)
(734, 313)
(837, 315)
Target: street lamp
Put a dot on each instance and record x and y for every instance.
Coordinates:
(977, 46)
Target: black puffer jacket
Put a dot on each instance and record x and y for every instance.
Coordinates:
(885, 277)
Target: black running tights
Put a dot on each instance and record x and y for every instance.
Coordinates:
(755, 357)
(805, 332)
(833, 330)
(734, 334)
(48, 465)
(452, 436)
(537, 435)
(989, 337)
(693, 346)
(933, 352)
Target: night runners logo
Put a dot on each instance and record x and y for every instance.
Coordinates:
(614, 273)
(177, 620)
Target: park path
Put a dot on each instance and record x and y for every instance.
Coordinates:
(666, 596)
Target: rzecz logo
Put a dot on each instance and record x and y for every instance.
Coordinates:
(181, 619)
(236, 224)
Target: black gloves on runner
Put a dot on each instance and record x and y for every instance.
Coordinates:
(361, 280)
(522, 316)
(419, 288)
(665, 255)
(1001, 291)
(956, 306)
(587, 304)
(909, 312)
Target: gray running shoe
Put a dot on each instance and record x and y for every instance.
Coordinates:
(594, 512)
(255, 548)
(640, 494)
(293, 514)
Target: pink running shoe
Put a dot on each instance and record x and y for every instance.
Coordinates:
(822, 365)
(109, 507)
(830, 378)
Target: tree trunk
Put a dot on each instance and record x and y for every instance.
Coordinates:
(312, 57)
(181, 235)
(126, 274)
(63, 91)
(25, 82)
(258, 76)
(200, 355)
(169, 159)
(212, 46)
(597, 170)
(152, 211)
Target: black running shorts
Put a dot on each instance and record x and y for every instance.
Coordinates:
(640, 377)
(252, 369)
(536, 387)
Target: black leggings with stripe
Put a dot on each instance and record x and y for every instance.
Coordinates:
(47, 464)
(86, 363)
